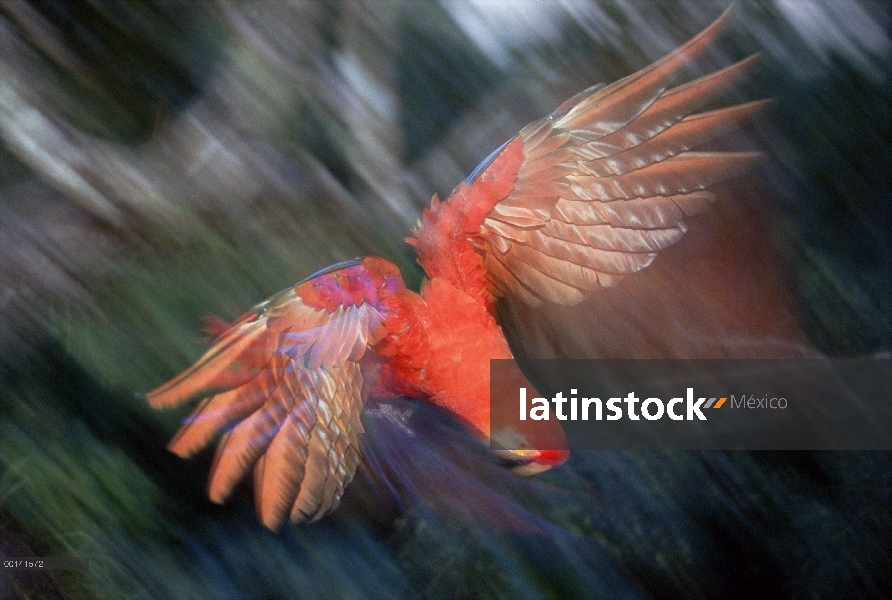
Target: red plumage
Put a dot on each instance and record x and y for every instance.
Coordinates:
(448, 241)
(570, 205)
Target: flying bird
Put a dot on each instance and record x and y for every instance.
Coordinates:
(570, 205)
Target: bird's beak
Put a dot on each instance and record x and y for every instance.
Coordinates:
(531, 462)
(526, 447)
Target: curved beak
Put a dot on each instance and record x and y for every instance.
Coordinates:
(530, 462)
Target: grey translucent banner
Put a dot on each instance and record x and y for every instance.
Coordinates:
(798, 404)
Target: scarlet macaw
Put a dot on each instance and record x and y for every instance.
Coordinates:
(570, 205)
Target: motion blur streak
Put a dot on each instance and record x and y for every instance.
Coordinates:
(163, 160)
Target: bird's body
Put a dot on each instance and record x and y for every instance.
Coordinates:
(570, 205)
(457, 303)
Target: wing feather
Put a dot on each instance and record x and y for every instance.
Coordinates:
(569, 272)
(296, 420)
(247, 441)
(603, 261)
(609, 178)
(666, 110)
(607, 237)
(343, 345)
(280, 474)
(544, 190)
(231, 361)
(213, 415)
(544, 284)
(659, 212)
(547, 161)
(310, 497)
(505, 281)
(609, 109)
(684, 135)
(536, 132)
(548, 140)
(579, 212)
(679, 174)
(520, 216)
(506, 231)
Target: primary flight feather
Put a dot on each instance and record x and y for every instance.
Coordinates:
(573, 203)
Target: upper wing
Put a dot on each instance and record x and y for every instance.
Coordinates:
(608, 178)
(286, 384)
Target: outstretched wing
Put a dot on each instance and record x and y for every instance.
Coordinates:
(286, 384)
(608, 178)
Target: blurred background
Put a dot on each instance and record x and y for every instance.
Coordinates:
(164, 161)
